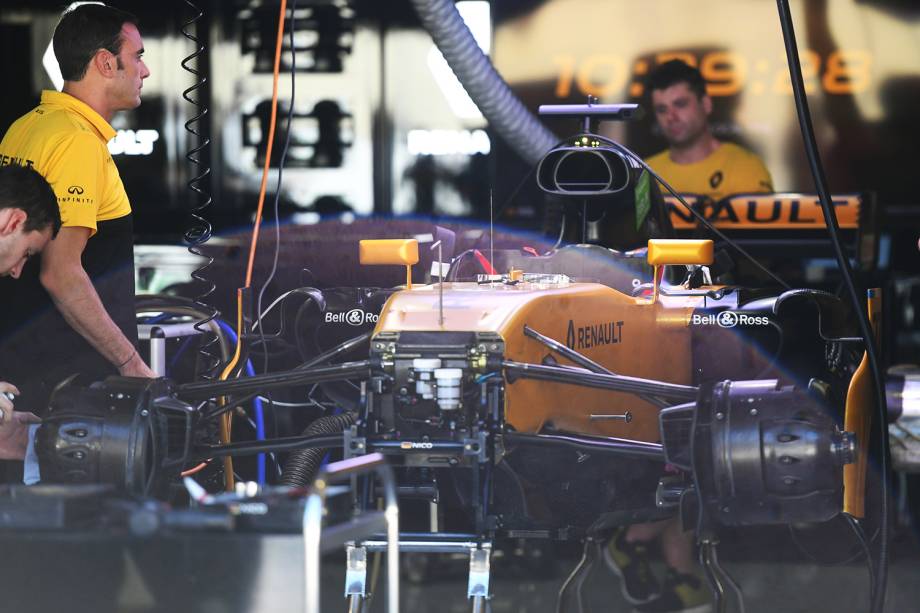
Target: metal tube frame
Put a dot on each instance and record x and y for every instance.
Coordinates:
(157, 335)
(313, 521)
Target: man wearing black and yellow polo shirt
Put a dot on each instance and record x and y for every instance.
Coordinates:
(695, 161)
(74, 311)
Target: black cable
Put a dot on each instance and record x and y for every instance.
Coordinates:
(200, 229)
(864, 543)
(616, 383)
(514, 193)
(256, 447)
(830, 217)
(699, 216)
(594, 444)
(343, 347)
(230, 406)
(310, 292)
(210, 389)
(850, 557)
(284, 152)
(272, 456)
(582, 360)
(527, 175)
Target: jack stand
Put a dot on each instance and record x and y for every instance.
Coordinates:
(478, 587)
(592, 553)
(356, 579)
(718, 576)
(479, 551)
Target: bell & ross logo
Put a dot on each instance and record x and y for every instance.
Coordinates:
(729, 319)
(354, 317)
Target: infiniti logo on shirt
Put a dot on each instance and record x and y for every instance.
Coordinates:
(75, 189)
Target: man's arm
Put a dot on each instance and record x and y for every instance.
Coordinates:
(73, 293)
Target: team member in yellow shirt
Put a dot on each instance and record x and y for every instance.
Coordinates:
(87, 273)
(29, 219)
(696, 161)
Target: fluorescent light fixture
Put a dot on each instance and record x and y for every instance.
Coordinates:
(448, 142)
(478, 18)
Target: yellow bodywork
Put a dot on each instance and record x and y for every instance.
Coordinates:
(627, 335)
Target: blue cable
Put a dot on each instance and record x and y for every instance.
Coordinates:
(257, 404)
(179, 352)
(482, 378)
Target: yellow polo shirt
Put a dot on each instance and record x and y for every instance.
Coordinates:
(729, 170)
(65, 140)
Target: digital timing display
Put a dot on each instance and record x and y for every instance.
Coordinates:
(726, 72)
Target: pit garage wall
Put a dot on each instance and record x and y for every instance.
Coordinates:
(861, 60)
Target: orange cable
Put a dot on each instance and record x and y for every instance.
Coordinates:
(193, 470)
(271, 138)
(227, 419)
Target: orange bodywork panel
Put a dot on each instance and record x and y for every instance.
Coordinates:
(627, 335)
(858, 420)
(767, 212)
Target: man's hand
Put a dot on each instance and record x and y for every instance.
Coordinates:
(14, 426)
(6, 403)
(135, 367)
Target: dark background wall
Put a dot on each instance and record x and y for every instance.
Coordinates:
(365, 81)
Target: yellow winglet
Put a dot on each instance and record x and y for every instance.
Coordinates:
(390, 251)
(858, 419)
(672, 251)
(663, 252)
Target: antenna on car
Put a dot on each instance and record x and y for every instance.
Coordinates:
(440, 284)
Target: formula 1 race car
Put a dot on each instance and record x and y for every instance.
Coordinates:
(576, 392)
(529, 405)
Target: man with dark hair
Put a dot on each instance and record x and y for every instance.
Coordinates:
(696, 161)
(29, 218)
(87, 273)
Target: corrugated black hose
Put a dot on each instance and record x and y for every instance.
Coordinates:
(502, 109)
(302, 465)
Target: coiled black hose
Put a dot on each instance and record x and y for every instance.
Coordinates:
(302, 465)
(505, 113)
(200, 229)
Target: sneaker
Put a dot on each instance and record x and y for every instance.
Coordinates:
(680, 594)
(629, 561)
